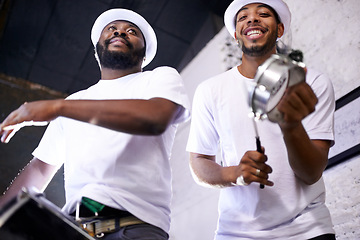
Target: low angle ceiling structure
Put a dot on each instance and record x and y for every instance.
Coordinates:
(47, 42)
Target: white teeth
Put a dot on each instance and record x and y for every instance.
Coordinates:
(254, 32)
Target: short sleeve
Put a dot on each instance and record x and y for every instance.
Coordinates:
(320, 124)
(166, 82)
(51, 147)
(203, 137)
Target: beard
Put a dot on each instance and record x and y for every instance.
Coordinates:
(257, 51)
(118, 60)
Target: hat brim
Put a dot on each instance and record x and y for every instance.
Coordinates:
(279, 6)
(127, 15)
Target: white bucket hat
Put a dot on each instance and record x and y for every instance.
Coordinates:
(279, 6)
(127, 15)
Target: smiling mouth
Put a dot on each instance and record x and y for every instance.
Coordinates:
(254, 33)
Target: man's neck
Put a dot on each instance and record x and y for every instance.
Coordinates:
(109, 74)
(250, 64)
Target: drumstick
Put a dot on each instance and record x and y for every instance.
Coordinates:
(258, 143)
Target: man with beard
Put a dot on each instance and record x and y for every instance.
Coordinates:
(295, 150)
(114, 138)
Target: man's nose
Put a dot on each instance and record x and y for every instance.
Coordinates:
(122, 34)
(253, 18)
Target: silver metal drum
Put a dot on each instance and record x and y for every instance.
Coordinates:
(31, 216)
(272, 78)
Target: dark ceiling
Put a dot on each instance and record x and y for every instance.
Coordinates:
(48, 41)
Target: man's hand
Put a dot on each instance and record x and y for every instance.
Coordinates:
(253, 168)
(208, 172)
(37, 113)
(297, 103)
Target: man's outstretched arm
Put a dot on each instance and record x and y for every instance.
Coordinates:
(145, 117)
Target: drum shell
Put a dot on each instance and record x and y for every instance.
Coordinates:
(271, 80)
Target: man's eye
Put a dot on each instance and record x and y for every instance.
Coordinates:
(132, 31)
(241, 18)
(264, 14)
(111, 28)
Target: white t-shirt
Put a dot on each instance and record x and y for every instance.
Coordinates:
(288, 210)
(120, 170)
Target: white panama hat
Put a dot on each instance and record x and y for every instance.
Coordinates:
(279, 6)
(127, 15)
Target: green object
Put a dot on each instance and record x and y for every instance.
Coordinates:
(92, 205)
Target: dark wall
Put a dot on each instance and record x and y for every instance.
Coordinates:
(16, 154)
(48, 41)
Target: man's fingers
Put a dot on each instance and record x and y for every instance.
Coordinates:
(10, 130)
(24, 124)
(7, 135)
(10, 127)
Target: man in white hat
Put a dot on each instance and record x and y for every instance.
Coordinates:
(114, 138)
(292, 204)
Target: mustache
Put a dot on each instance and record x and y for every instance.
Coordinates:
(264, 29)
(127, 43)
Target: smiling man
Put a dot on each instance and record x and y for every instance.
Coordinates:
(254, 33)
(114, 138)
(295, 150)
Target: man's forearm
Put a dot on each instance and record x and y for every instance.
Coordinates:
(208, 172)
(36, 174)
(308, 158)
(147, 117)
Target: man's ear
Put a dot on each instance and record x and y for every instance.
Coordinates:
(280, 30)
